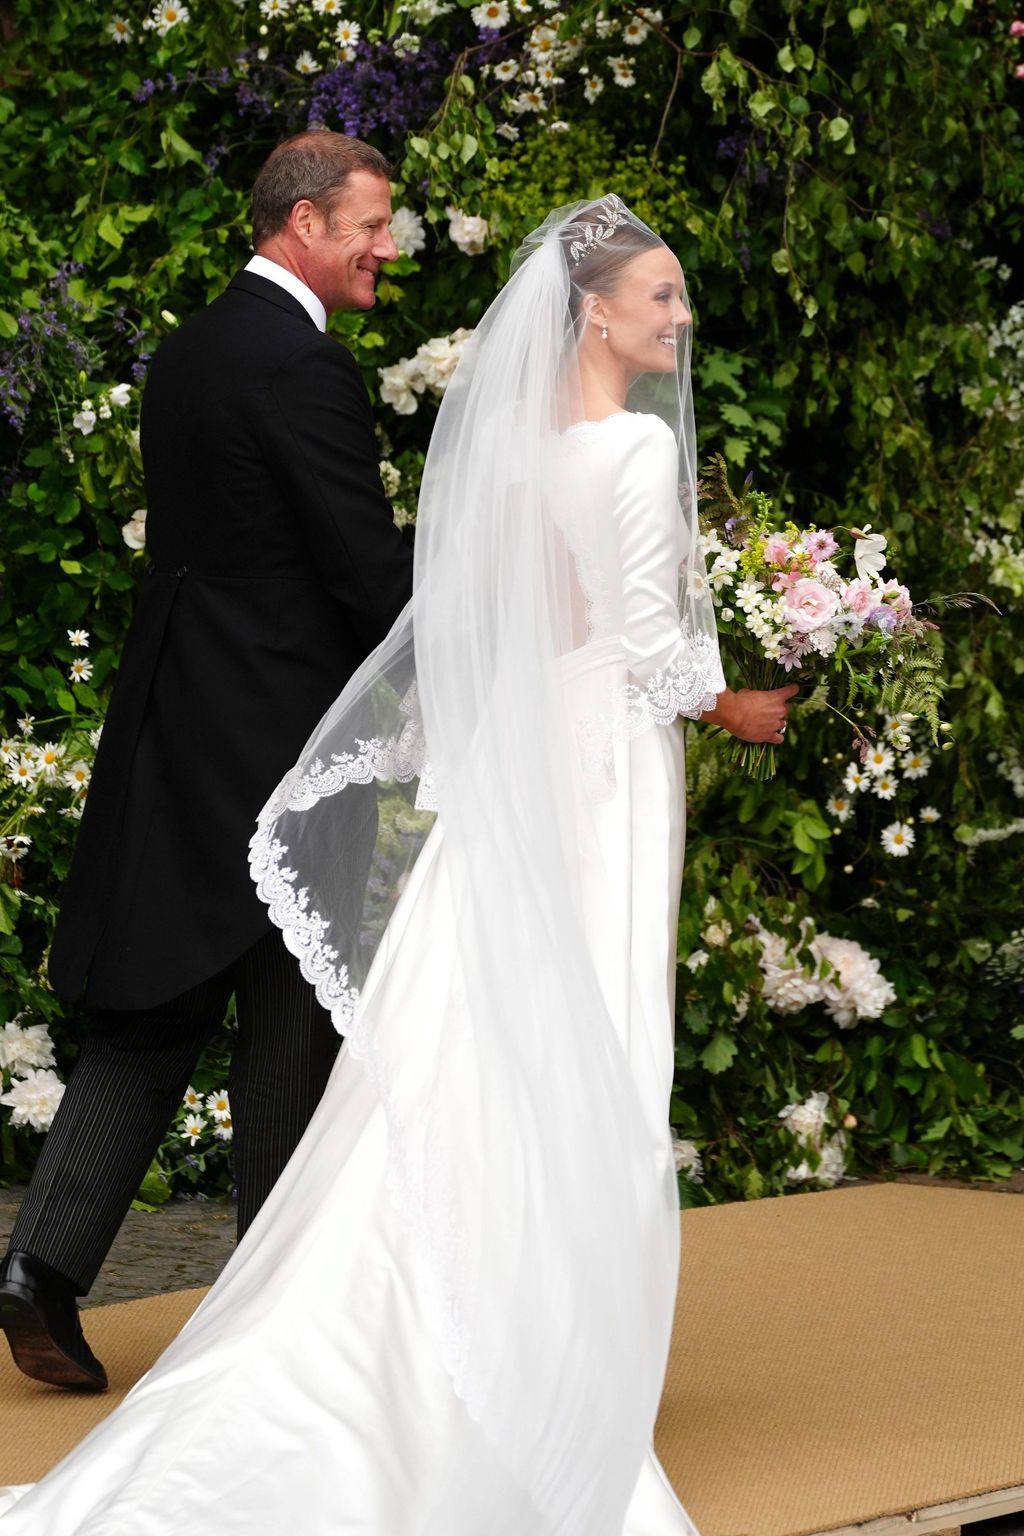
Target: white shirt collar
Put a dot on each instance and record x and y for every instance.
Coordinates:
(264, 267)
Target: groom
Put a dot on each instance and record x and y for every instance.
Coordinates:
(276, 567)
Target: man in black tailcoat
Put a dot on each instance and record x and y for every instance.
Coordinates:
(275, 568)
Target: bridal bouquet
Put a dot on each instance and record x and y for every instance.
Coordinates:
(813, 601)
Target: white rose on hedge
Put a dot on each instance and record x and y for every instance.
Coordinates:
(400, 384)
(807, 1121)
(25, 1047)
(467, 230)
(407, 231)
(134, 531)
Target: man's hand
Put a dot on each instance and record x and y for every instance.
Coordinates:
(753, 714)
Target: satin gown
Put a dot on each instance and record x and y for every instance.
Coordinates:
(306, 1392)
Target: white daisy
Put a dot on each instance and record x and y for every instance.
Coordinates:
(543, 41)
(225, 1130)
(622, 70)
(9, 751)
(79, 637)
(928, 814)
(492, 13)
(507, 131)
(25, 724)
(522, 7)
(119, 29)
(305, 64)
(347, 33)
(879, 760)
(327, 7)
(885, 786)
(77, 776)
(854, 779)
(273, 8)
(506, 70)
(193, 1128)
(528, 101)
(192, 1099)
(49, 760)
(841, 807)
(217, 1104)
(916, 765)
(80, 670)
(24, 772)
(634, 32)
(166, 16)
(547, 75)
(898, 839)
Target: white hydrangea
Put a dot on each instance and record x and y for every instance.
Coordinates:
(688, 1160)
(33, 1099)
(407, 231)
(807, 1120)
(856, 988)
(25, 1046)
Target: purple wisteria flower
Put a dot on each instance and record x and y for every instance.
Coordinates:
(380, 92)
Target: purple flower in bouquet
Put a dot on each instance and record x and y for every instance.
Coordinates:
(882, 618)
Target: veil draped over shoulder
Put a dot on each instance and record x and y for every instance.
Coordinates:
(519, 1154)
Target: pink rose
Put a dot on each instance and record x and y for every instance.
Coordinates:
(897, 597)
(859, 596)
(785, 579)
(1017, 28)
(776, 551)
(809, 605)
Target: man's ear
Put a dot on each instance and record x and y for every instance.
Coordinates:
(303, 219)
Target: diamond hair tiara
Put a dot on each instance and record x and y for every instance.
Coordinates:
(595, 235)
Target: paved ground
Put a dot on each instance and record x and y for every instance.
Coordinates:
(184, 1244)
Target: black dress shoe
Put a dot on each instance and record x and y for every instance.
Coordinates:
(39, 1314)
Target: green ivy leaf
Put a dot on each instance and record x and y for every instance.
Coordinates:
(719, 1052)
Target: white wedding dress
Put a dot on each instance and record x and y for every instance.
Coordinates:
(307, 1394)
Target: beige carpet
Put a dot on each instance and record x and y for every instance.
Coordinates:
(837, 1357)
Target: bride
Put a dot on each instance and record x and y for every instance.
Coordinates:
(452, 1316)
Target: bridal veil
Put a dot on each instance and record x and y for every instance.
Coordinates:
(532, 1197)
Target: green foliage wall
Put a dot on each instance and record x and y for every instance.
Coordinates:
(843, 184)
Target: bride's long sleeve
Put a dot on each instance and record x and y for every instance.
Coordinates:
(675, 671)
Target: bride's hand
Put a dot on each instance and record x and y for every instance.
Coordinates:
(753, 714)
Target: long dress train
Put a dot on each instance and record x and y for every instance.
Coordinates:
(307, 1392)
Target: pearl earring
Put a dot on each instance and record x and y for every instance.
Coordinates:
(604, 333)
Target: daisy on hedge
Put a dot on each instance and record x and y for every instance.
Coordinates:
(841, 807)
(898, 839)
(347, 33)
(80, 670)
(79, 637)
(885, 786)
(77, 777)
(218, 1105)
(305, 64)
(879, 760)
(24, 772)
(49, 760)
(916, 765)
(634, 32)
(166, 16)
(854, 779)
(622, 70)
(272, 8)
(929, 814)
(119, 30)
(592, 87)
(192, 1099)
(492, 14)
(193, 1128)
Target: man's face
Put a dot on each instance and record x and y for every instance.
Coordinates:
(346, 250)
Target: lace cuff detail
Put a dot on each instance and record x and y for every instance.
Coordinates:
(688, 686)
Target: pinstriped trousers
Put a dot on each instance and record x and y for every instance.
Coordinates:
(129, 1080)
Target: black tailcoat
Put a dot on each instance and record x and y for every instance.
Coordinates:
(276, 568)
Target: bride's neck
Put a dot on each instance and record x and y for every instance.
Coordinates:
(603, 381)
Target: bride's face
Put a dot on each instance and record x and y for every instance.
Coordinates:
(646, 314)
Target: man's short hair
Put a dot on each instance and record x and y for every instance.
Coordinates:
(313, 166)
